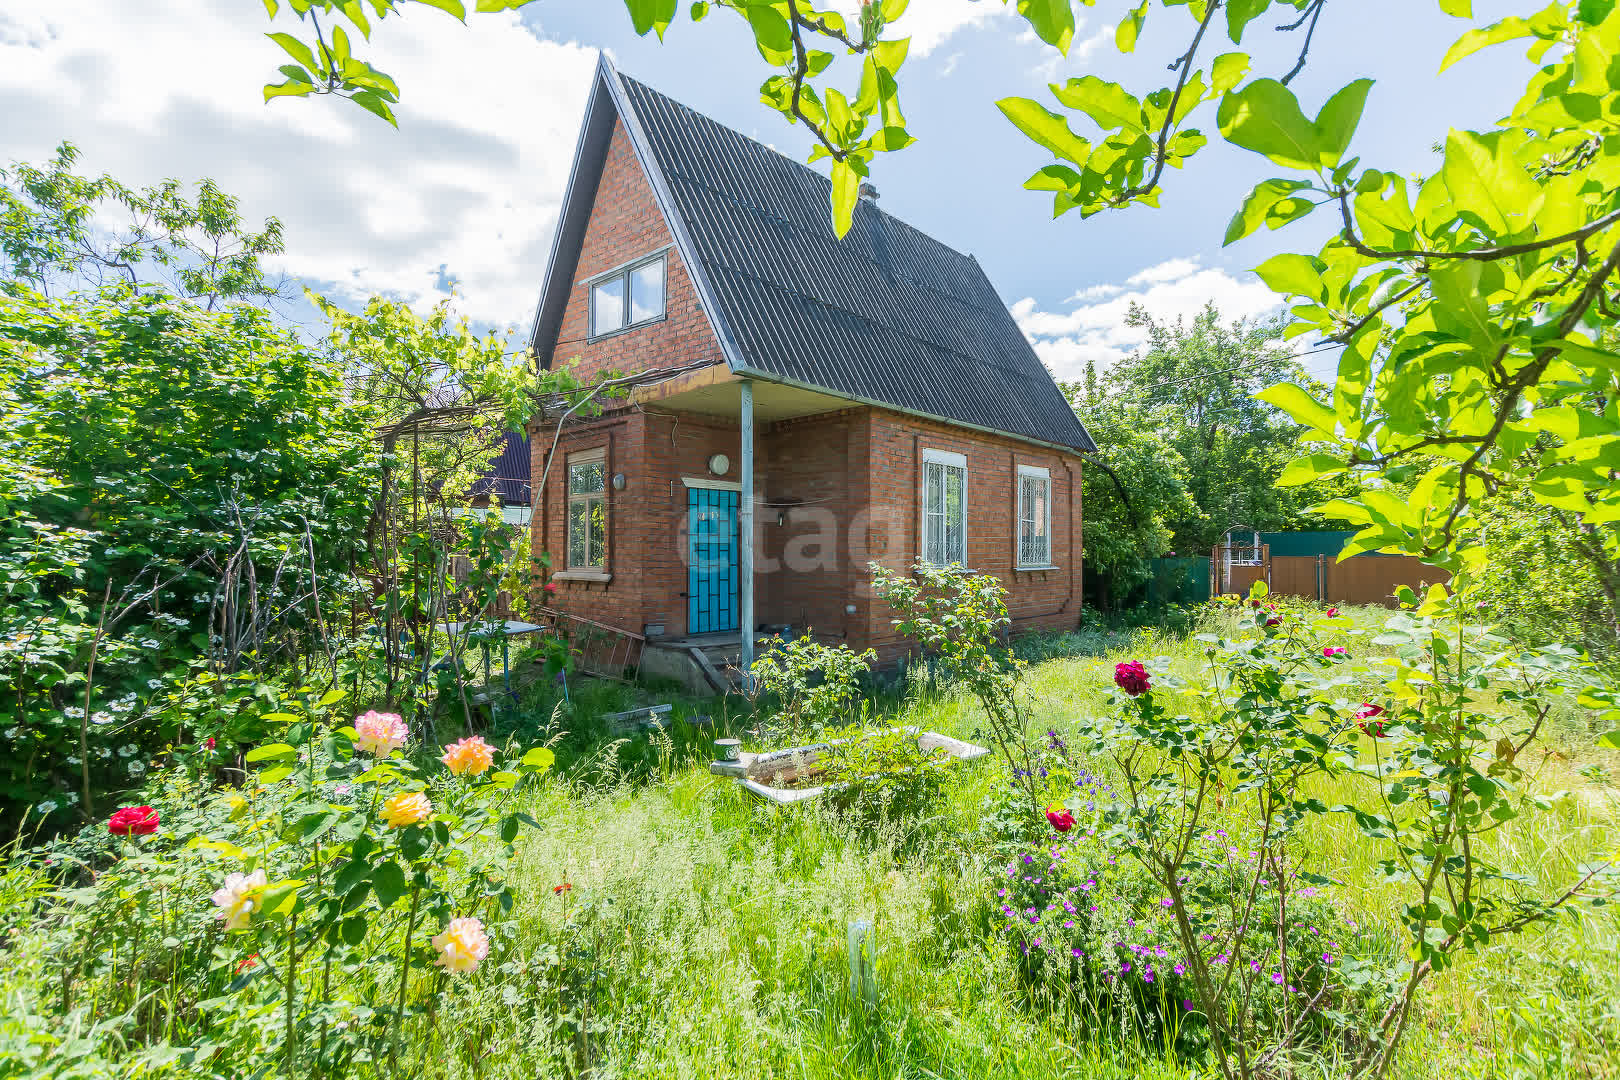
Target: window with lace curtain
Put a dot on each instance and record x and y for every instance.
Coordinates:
(944, 508)
(1034, 517)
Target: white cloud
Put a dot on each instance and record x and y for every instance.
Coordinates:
(930, 23)
(471, 182)
(1094, 329)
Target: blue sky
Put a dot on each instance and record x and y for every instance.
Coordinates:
(470, 185)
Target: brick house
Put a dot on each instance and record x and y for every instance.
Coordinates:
(839, 402)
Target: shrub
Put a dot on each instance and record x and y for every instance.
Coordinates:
(884, 775)
(813, 686)
(314, 914)
(1084, 916)
(1267, 716)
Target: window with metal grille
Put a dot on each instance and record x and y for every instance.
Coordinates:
(587, 511)
(944, 508)
(1034, 516)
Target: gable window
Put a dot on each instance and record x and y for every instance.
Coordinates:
(587, 510)
(944, 508)
(1034, 516)
(627, 297)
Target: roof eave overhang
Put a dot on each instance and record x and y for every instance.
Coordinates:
(766, 376)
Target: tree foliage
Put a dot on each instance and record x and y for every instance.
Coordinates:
(56, 236)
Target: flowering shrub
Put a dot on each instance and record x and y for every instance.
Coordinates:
(1082, 915)
(1267, 718)
(340, 854)
(960, 619)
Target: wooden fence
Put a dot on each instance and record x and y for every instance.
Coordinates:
(1364, 579)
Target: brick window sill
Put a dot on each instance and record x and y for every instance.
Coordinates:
(1034, 569)
(596, 577)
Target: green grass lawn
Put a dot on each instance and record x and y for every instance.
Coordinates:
(721, 924)
(705, 933)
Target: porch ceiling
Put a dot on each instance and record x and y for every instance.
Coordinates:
(717, 392)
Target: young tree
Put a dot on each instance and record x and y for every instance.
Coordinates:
(1132, 492)
(54, 236)
(1195, 384)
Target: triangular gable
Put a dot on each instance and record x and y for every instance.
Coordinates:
(607, 107)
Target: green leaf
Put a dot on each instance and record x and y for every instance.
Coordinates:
(1265, 117)
(1045, 127)
(1609, 740)
(539, 757)
(1298, 404)
(1296, 275)
(279, 898)
(846, 191)
(1462, 9)
(1240, 13)
(388, 882)
(1337, 122)
(353, 930)
(296, 49)
(893, 9)
(1306, 470)
(355, 873)
(331, 696)
(772, 35)
(1483, 177)
(1228, 70)
(270, 752)
(1258, 206)
(1109, 104)
(700, 8)
(449, 7)
(1130, 28)
(1593, 12)
(1483, 37)
(509, 828)
(1052, 21)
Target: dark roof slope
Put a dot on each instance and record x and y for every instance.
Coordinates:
(508, 475)
(886, 315)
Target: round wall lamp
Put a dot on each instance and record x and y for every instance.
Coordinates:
(719, 464)
(618, 481)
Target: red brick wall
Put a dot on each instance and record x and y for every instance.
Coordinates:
(848, 479)
(646, 521)
(813, 475)
(1038, 599)
(625, 224)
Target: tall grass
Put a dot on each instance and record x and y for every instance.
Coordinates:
(705, 934)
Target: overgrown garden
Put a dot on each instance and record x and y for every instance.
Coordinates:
(270, 812)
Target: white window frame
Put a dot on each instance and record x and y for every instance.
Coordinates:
(623, 274)
(1043, 475)
(947, 460)
(598, 456)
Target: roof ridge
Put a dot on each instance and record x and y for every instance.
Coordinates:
(799, 165)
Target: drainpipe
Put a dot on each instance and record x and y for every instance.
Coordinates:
(745, 535)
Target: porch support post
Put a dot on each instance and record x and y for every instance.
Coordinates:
(745, 531)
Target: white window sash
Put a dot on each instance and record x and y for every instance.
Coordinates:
(943, 526)
(1034, 495)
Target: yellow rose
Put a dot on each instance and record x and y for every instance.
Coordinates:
(462, 945)
(406, 808)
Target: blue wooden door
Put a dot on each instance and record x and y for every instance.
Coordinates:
(711, 593)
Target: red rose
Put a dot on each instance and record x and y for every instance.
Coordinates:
(133, 821)
(1333, 613)
(1254, 604)
(209, 742)
(1273, 622)
(1132, 678)
(551, 587)
(1060, 818)
(1366, 723)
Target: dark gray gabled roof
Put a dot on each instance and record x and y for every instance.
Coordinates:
(886, 315)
